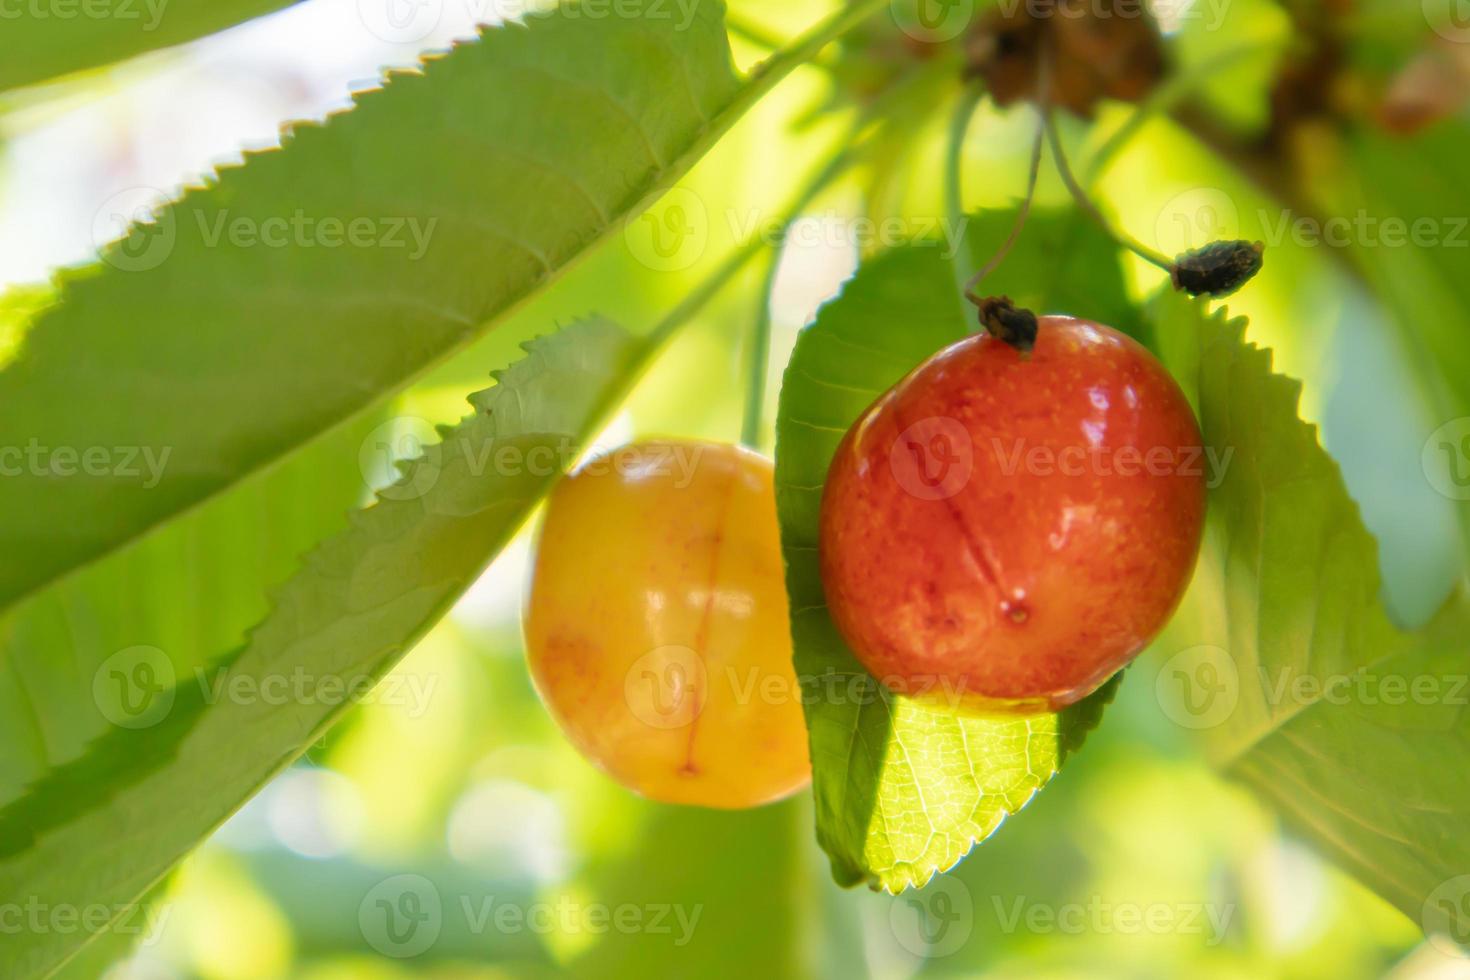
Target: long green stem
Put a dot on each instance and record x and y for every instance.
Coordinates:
(954, 155)
(1033, 177)
(1123, 239)
(1043, 109)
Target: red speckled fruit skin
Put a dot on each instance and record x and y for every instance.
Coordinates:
(986, 537)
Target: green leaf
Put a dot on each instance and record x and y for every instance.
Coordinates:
(43, 42)
(1291, 669)
(903, 790)
(190, 755)
(478, 181)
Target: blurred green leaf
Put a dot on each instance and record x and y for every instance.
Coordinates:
(720, 901)
(326, 910)
(903, 790)
(1291, 670)
(43, 42)
(186, 757)
(480, 179)
(1233, 51)
(1411, 243)
(189, 593)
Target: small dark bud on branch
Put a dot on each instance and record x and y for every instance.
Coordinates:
(1218, 269)
(1007, 322)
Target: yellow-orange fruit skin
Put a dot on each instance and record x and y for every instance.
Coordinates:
(657, 626)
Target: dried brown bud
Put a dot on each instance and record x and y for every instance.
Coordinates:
(1102, 49)
(1218, 269)
(1007, 322)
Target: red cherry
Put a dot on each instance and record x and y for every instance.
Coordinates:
(1007, 531)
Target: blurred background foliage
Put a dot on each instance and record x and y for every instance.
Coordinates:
(466, 782)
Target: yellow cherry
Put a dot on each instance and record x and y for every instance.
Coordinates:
(657, 626)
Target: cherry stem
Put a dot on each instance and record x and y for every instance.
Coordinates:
(1043, 106)
(1085, 203)
(954, 192)
(1020, 222)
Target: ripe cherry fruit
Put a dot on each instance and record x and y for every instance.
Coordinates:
(657, 626)
(1005, 531)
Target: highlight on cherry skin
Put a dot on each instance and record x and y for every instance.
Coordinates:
(1004, 532)
(657, 626)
